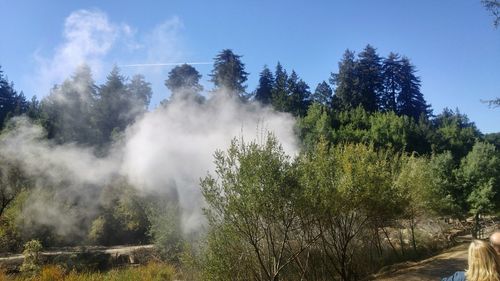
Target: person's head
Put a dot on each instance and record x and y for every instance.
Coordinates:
(483, 262)
(495, 241)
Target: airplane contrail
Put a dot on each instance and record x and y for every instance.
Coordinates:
(163, 64)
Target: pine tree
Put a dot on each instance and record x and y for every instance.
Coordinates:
(34, 109)
(184, 82)
(369, 72)
(298, 95)
(140, 91)
(229, 73)
(279, 93)
(346, 83)
(263, 94)
(323, 94)
(11, 103)
(68, 111)
(113, 108)
(391, 82)
(494, 7)
(410, 100)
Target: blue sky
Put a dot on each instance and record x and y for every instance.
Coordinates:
(452, 42)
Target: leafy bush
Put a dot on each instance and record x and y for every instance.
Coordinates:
(31, 263)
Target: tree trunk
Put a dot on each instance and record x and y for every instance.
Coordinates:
(401, 242)
(475, 229)
(413, 240)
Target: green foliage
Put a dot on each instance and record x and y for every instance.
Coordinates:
(165, 228)
(493, 138)
(229, 73)
(118, 104)
(391, 131)
(31, 264)
(410, 101)
(298, 95)
(12, 182)
(323, 94)
(316, 125)
(384, 130)
(11, 239)
(98, 231)
(479, 175)
(445, 196)
(263, 94)
(67, 112)
(11, 102)
(391, 82)
(140, 93)
(252, 209)
(184, 82)
(350, 188)
(369, 75)
(377, 84)
(346, 82)
(123, 218)
(327, 199)
(455, 133)
(414, 182)
(279, 92)
(79, 111)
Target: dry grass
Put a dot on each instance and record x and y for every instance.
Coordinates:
(151, 271)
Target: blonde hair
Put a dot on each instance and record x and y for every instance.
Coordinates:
(483, 262)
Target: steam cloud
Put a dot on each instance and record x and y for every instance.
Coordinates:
(90, 37)
(173, 147)
(167, 150)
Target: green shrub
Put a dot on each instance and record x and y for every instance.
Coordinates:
(31, 263)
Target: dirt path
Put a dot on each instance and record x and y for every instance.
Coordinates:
(433, 268)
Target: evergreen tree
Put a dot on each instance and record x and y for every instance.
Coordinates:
(140, 91)
(68, 111)
(346, 83)
(34, 109)
(323, 94)
(369, 72)
(263, 94)
(11, 103)
(113, 108)
(279, 93)
(229, 73)
(494, 7)
(391, 82)
(184, 81)
(410, 100)
(298, 95)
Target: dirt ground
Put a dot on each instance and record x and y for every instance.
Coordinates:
(434, 268)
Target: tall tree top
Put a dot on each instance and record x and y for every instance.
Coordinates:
(323, 94)
(229, 72)
(346, 83)
(370, 79)
(184, 77)
(263, 93)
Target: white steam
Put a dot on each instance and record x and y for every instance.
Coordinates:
(173, 147)
(90, 37)
(167, 151)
